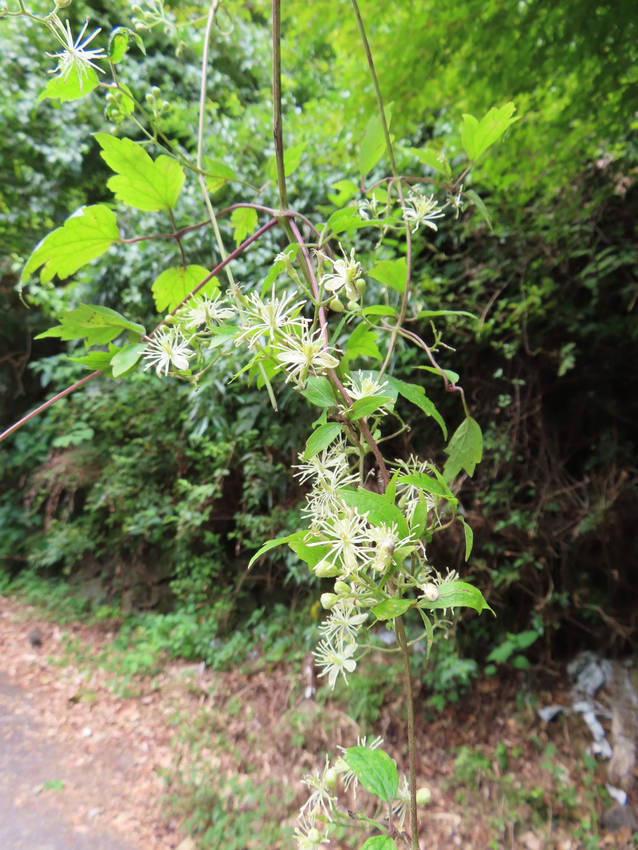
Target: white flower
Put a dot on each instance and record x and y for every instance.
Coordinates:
(347, 539)
(364, 384)
(308, 836)
(322, 798)
(421, 210)
(167, 347)
(344, 622)
(203, 312)
(346, 273)
(335, 660)
(75, 55)
(269, 318)
(303, 354)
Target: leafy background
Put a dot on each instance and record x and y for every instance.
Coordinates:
(157, 495)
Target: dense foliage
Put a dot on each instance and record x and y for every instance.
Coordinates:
(139, 490)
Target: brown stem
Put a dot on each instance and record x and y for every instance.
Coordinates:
(409, 687)
(277, 124)
(48, 403)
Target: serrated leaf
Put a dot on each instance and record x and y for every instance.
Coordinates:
(244, 222)
(457, 594)
(319, 392)
(373, 145)
(478, 136)
(268, 545)
(321, 439)
(70, 88)
(376, 506)
(363, 407)
(83, 237)
(480, 206)
(217, 174)
(375, 770)
(126, 358)
(465, 449)
(173, 285)
(435, 160)
(415, 394)
(390, 609)
(139, 181)
(97, 324)
(362, 343)
(379, 842)
(393, 273)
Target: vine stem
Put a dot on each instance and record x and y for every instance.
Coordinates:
(200, 141)
(409, 686)
(397, 182)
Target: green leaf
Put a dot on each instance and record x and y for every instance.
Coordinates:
(480, 206)
(433, 314)
(139, 181)
(98, 324)
(390, 609)
(346, 219)
(415, 394)
(375, 770)
(449, 374)
(373, 144)
(363, 407)
(457, 594)
(427, 484)
(469, 537)
(218, 174)
(321, 439)
(392, 273)
(465, 449)
(270, 544)
(319, 392)
(379, 842)
(244, 222)
(478, 136)
(173, 285)
(70, 88)
(300, 544)
(126, 358)
(118, 44)
(87, 234)
(379, 310)
(95, 360)
(435, 160)
(362, 343)
(376, 506)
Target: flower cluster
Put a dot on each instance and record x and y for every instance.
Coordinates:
(166, 349)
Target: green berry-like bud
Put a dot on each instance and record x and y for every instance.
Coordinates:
(342, 588)
(361, 285)
(328, 600)
(330, 778)
(325, 569)
(336, 306)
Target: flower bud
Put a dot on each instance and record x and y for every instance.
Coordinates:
(330, 778)
(361, 285)
(325, 569)
(342, 588)
(336, 306)
(431, 592)
(423, 796)
(328, 600)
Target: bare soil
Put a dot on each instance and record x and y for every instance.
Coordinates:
(110, 761)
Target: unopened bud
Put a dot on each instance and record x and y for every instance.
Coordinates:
(336, 306)
(431, 592)
(325, 569)
(330, 778)
(423, 796)
(328, 600)
(341, 587)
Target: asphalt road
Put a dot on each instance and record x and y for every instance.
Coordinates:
(29, 818)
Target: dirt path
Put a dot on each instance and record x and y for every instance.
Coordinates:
(78, 766)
